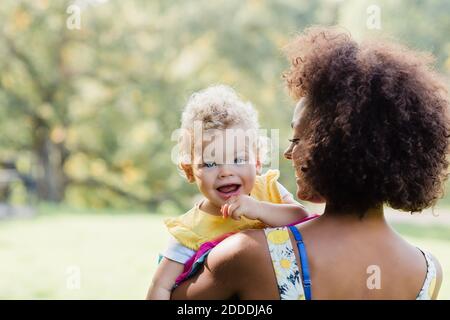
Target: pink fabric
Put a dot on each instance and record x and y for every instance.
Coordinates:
(313, 216)
(207, 246)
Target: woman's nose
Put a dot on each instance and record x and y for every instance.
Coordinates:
(288, 153)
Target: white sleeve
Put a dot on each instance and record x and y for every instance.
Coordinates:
(283, 191)
(177, 252)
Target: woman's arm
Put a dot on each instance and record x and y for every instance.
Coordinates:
(238, 267)
(217, 279)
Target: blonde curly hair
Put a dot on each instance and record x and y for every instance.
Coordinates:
(216, 107)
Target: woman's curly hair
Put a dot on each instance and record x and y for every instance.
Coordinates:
(378, 131)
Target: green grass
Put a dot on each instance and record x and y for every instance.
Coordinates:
(116, 254)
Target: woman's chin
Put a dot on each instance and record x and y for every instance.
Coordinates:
(317, 200)
(304, 196)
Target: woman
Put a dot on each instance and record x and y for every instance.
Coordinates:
(370, 129)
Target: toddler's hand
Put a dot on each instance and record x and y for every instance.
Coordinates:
(241, 205)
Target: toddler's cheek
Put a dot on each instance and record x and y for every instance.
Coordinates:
(248, 188)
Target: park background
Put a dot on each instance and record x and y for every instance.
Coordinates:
(90, 93)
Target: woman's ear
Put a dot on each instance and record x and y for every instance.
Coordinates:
(188, 171)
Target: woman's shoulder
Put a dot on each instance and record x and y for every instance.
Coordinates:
(420, 270)
(240, 252)
(244, 243)
(242, 261)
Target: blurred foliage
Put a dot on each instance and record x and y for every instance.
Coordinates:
(89, 112)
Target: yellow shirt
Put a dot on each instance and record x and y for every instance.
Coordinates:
(196, 226)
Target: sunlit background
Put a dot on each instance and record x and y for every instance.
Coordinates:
(90, 93)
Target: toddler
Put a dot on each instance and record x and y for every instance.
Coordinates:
(221, 153)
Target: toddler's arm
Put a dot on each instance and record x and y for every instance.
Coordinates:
(277, 215)
(272, 214)
(164, 279)
(170, 267)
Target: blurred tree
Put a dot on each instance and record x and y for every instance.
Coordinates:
(94, 108)
(423, 25)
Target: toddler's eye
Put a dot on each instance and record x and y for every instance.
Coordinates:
(209, 164)
(294, 140)
(239, 160)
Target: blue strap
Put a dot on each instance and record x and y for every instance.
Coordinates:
(303, 261)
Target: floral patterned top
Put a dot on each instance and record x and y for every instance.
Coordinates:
(288, 275)
(285, 264)
(430, 280)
